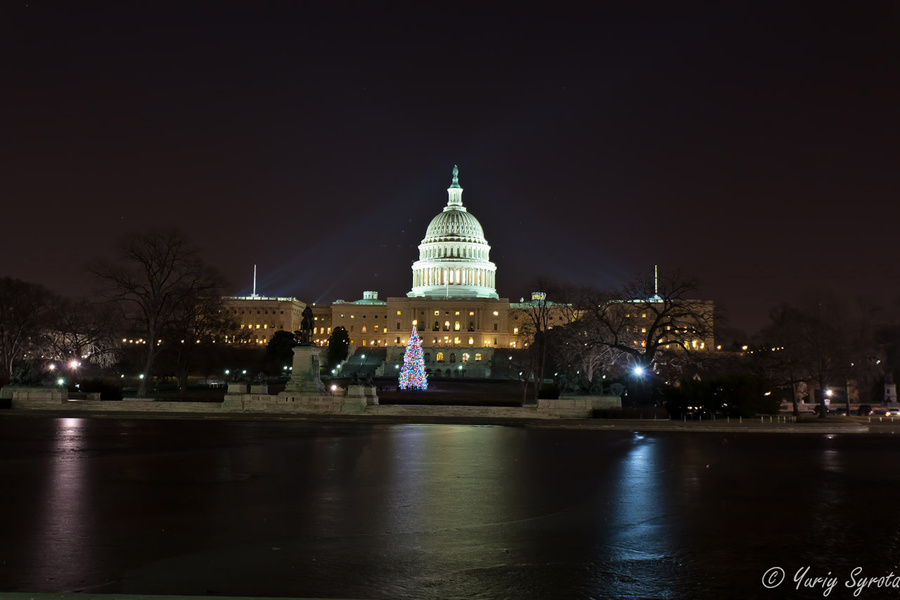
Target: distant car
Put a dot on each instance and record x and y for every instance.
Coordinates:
(886, 412)
(840, 411)
(864, 410)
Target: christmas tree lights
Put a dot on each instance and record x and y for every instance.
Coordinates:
(412, 375)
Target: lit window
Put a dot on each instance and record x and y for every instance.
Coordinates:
(465, 357)
(457, 313)
(471, 341)
(515, 330)
(456, 326)
(440, 357)
(398, 312)
(471, 313)
(478, 357)
(437, 312)
(496, 313)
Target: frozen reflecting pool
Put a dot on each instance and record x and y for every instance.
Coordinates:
(438, 511)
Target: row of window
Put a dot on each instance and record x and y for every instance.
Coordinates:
(436, 327)
(436, 313)
(435, 342)
(440, 357)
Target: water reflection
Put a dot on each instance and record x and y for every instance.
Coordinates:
(331, 510)
(638, 546)
(66, 520)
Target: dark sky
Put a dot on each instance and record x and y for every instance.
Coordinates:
(752, 145)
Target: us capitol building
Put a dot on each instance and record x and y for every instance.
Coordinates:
(453, 304)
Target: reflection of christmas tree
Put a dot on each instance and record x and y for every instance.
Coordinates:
(412, 375)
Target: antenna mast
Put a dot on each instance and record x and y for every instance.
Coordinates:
(254, 281)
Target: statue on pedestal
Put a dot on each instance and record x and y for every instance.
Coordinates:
(306, 326)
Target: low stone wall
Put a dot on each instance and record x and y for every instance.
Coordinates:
(565, 407)
(34, 397)
(145, 405)
(508, 412)
(361, 400)
(288, 402)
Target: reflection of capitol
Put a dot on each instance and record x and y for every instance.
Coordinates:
(453, 303)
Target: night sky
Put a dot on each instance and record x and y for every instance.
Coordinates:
(751, 145)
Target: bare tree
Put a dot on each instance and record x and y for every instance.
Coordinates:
(648, 319)
(199, 320)
(819, 339)
(547, 309)
(781, 357)
(83, 330)
(24, 309)
(156, 278)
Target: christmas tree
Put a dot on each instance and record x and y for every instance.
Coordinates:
(412, 375)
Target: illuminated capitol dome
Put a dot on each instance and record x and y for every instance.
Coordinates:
(453, 257)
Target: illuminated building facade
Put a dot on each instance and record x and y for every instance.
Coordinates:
(259, 317)
(453, 303)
